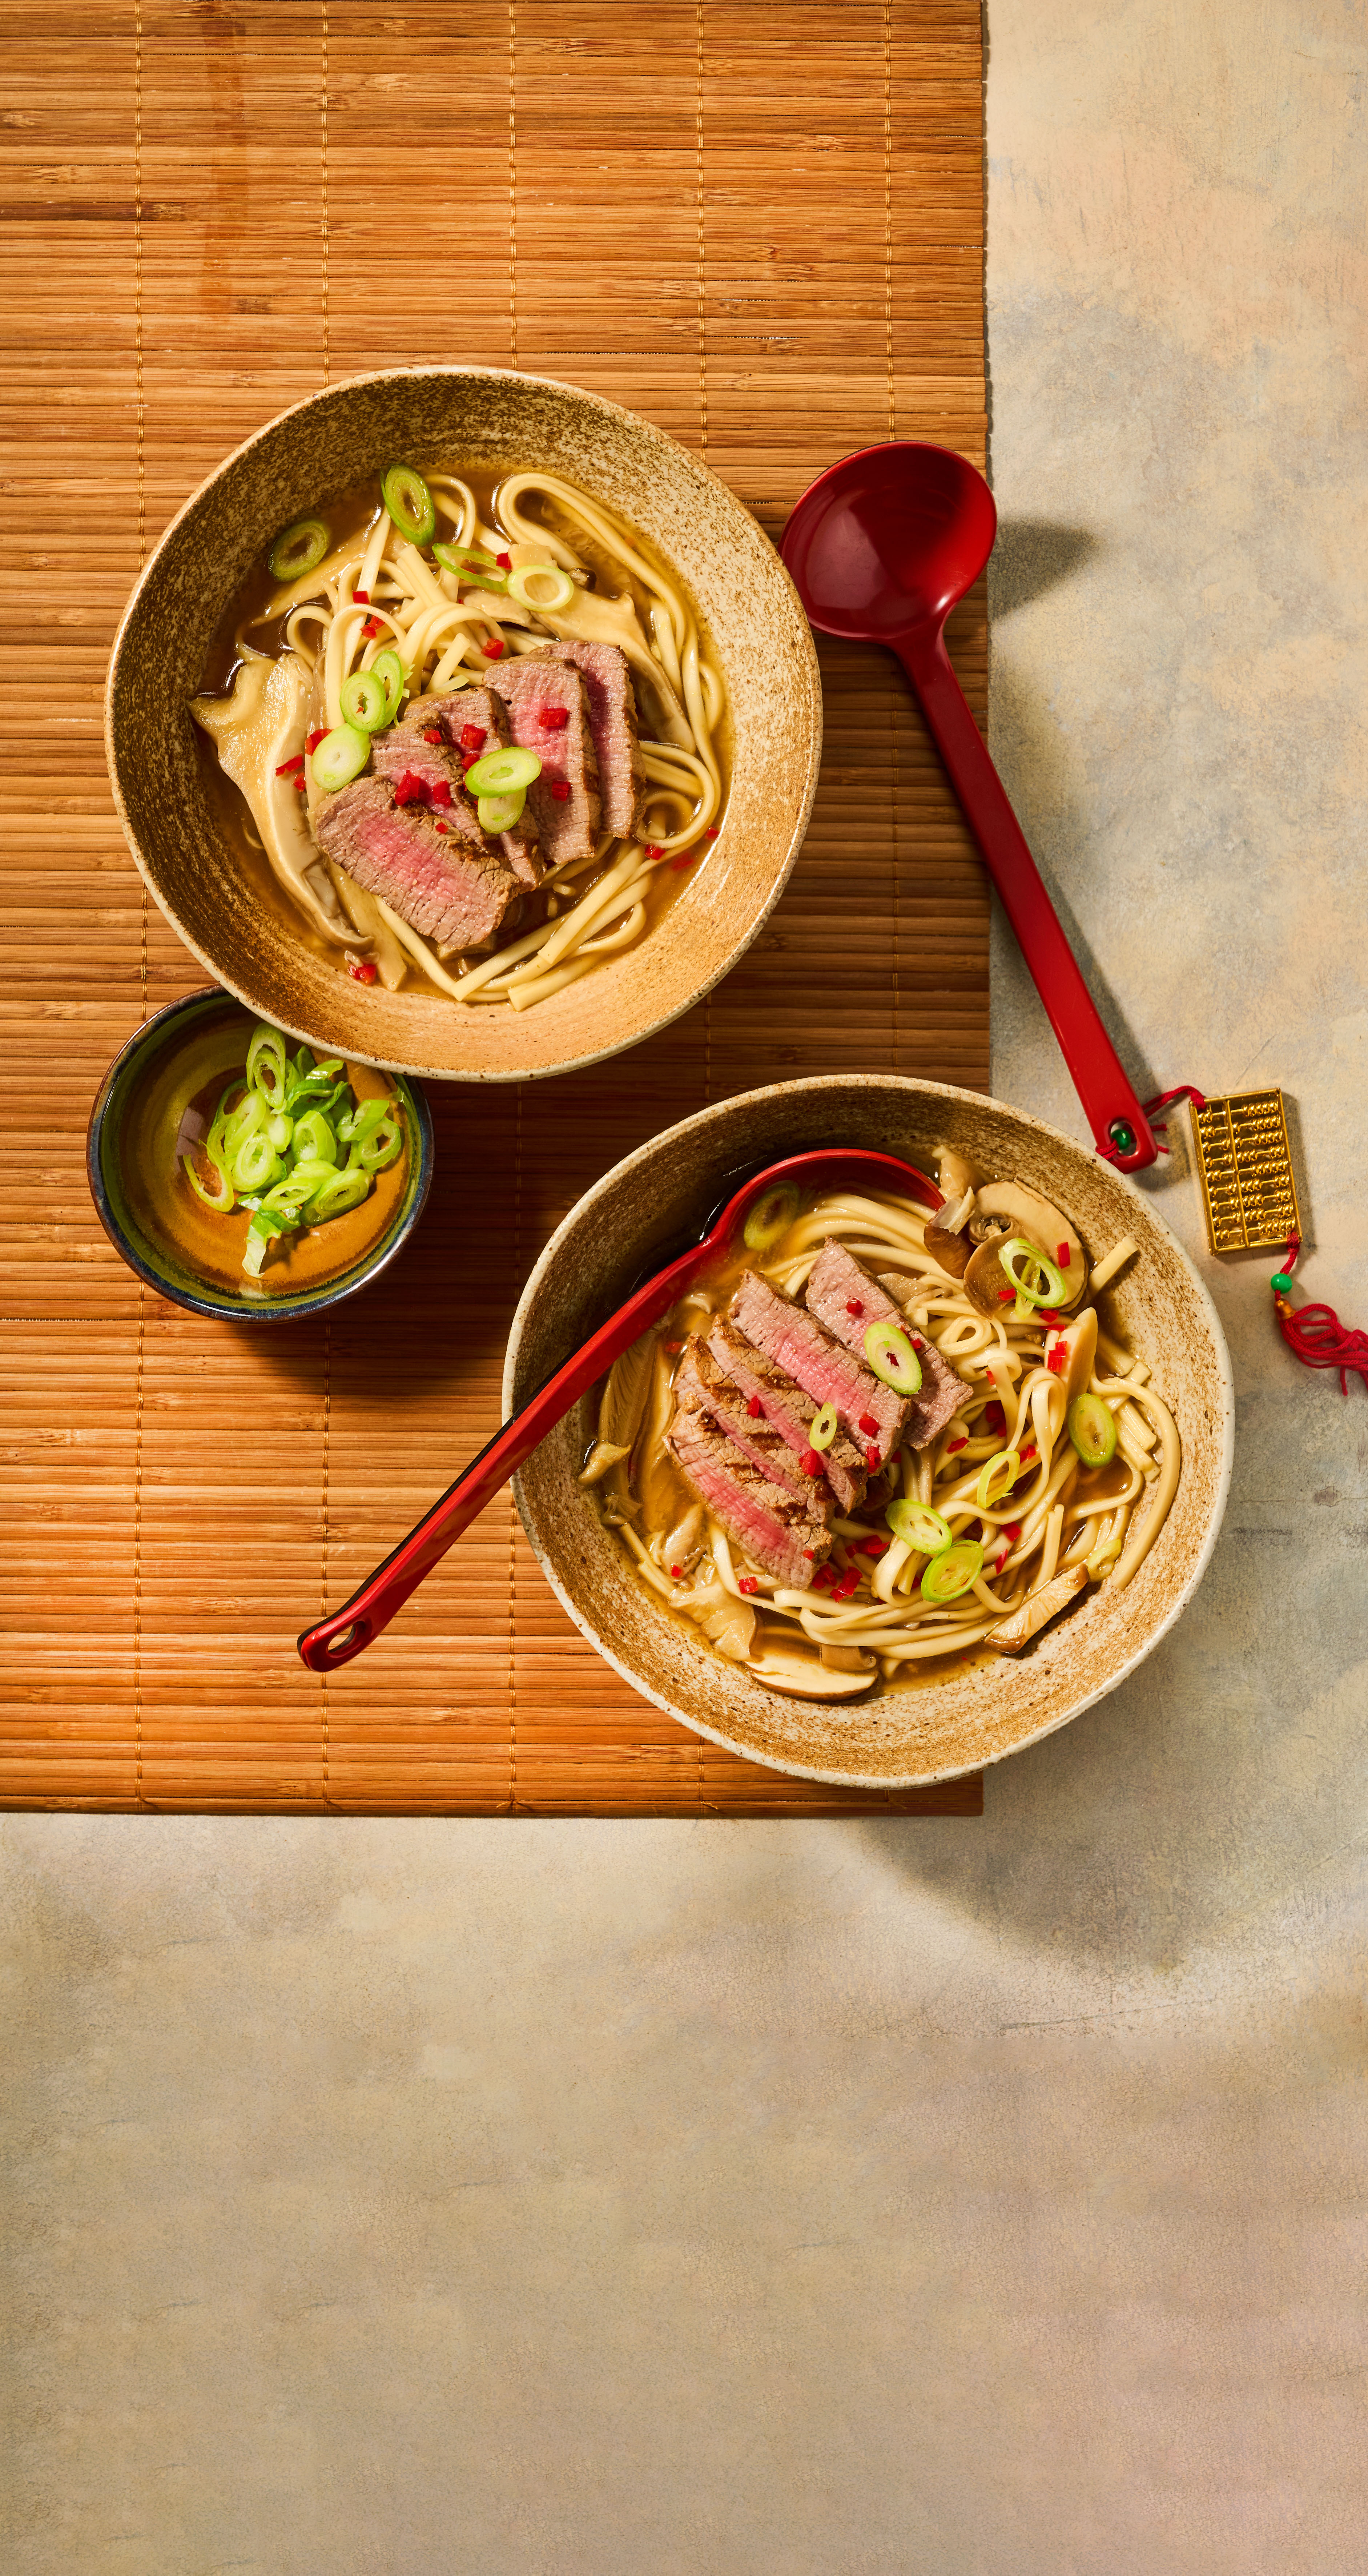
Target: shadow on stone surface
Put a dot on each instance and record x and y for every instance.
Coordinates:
(1032, 556)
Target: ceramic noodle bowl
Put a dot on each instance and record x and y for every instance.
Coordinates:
(967, 1715)
(171, 801)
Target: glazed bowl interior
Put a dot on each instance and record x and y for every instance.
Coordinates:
(126, 1189)
(170, 803)
(659, 1199)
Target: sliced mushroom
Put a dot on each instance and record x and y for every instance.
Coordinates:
(1080, 1341)
(624, 1397)
(684, 1545)
(952, 1251)
(730, 1623)
(981, 1228)
(602, 1456)
(954, 1174)
(847, 1659)
(1011, 1634)
(1026, 1212)
(800, 1676)
(986, 1284)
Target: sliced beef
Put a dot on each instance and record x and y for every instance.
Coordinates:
(454, 891)
(837, 1283)
(788, 1538)
(607, 676)
(701, 1386)
(785, 1411)
(548, 713)
(410, 749)
(822, 1366)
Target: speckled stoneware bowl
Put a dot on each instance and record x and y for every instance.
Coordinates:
(658, 1200)
(434, 415)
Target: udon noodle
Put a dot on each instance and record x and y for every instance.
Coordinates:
(1002, 1477)
(296, 644)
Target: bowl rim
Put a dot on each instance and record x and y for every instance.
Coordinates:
(219, 1311)
(654, 434)
(921, 1089)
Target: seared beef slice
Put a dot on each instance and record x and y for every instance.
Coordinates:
(777, 1531)
(703, 1387)
(785, 1411)
(468, 723)
(548, 713)
(836, 1283)
(798, 1344)
(607, 677)
(451, 891)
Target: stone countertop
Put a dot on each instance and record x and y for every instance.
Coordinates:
(847, 2198)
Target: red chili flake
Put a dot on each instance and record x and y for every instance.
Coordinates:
(1028, 1454)
(685, 860)
(952, 1445)
(823, 1575)
(873, 1461)
(440, 827)
(288, 767)
(365, 973)
(560, 789)
(994, 1419)
(315, 738)
(411, 789)
(1006, 1296)
(810, 1462)
(874, 1547)
(432, 736)
(754, 1408)
(504, 562)
(439, 793)
(303, 785)
(1012, 1532)
(554, 718)
(808, 1554)
(472, 737)
(746, 1583)
(1047, 1315)
(674, 1349)
(854, 1306)
(363, 596)
(492, 651)
(653, 850)
(712, 831)
(1063, 1255)
(1058, 1359)
(676, 1571)
(867, 1422)
(848, 1584)
(371, 626)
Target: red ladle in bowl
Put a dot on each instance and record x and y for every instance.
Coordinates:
(881, 548)
(351, 1629)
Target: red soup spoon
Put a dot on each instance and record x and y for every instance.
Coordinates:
(355, 1626)
(881, 548)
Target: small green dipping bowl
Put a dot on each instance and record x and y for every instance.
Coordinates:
(125, 1197)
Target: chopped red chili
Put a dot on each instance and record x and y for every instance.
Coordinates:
(676, 1571)
(952, 1445)
(674, 1349)
(994, 1419)
(440, 827)
(712, 831)
(810, 1463)
(867, 1422)
(288, 767)
(874, 1547)
(753, 1408)
(1063, 1255)
(472, 737)
(553, 718)
(371, 626)
(430, 734)
(808, 1554)
(1006, 1296)
(1012, 1532)
(439, 793)
(1058, 1359)
(320, 734)
(560, 789)
(363, 596)
(653, 850)
(685, 860)
(492, 651)
(364, 973)
(746, 1583)
(873, 1461)
(504, 562)
(849, 1583)
(854, 1306)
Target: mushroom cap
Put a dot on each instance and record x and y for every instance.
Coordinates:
(1012, 1633)
(986, 1284)
(952, 1251)
(785, 1668)
(1043, 1225)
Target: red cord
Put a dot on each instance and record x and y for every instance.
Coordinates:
(1166, 1099)
(1314, 1333)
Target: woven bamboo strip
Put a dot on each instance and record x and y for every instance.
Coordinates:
(764, 229)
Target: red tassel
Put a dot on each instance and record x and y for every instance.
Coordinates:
(1315, 1333)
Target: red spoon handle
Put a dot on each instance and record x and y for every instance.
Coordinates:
(355, 1626)
(1092, 1060)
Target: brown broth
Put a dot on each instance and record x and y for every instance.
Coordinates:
(194, 1075)
(348, 519)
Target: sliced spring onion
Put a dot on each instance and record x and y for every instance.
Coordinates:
(952, 1571)
(342, 1190)
(257, 1164)
(892, 1358)
(471, 563)
(388, 667)
(823, 1427)
(289, 1198)
(771, 1217)
(340, 757)
(221, 1201)
(1092, 1429)
(503, 772)
(1028, 1268)
(298, 548)
(919, 1527)
(314, 1139)
(267, 1063)
(384, 1147)
(265, 1225)
(997, 1478)
(500, 813)
(280, 1129)
(363, 1121)
(366, 700)
(310, 1174)
(409, 504)
(561, 592)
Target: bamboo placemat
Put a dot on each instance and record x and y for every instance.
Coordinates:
(762, 227)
